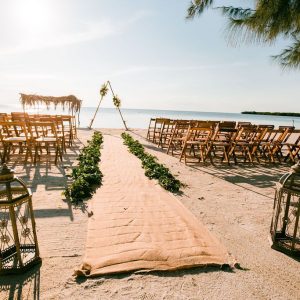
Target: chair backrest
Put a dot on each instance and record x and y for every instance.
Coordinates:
(3, 117)
(14, 129)
(246, 133)
(67, 120)
(19, 116)
(168, 126)
(200, 134)
(43, 129)
(287, 131)
(227, 124)
(268, 134)
(151, 122)
(159, 123)
(181, 126)
(223, 133)
(242, 123)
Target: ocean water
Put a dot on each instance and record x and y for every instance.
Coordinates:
(139, 118)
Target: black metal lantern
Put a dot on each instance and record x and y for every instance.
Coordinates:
(18, 240)
(285, 226)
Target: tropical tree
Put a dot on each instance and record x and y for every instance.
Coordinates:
(267, 21)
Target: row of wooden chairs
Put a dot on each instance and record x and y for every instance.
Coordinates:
(202, 140)
(35, 136)
(64, 122)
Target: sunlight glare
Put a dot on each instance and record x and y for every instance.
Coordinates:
(34, 16)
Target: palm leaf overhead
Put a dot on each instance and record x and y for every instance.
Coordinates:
(269, 20)
(197, 7)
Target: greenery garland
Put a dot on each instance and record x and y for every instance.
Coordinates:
(116, 101)
(152, 168)
(103, 90)
(87, 175)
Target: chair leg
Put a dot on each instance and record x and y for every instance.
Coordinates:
(183, 152)
(56, 156)
(4, 154)
(36, 149)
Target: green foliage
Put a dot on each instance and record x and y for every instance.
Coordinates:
(268, 20)
(152, 168)
(103, 90)
(87, 174)
(116, 101)
(286, 114)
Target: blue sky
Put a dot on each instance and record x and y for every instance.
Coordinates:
(151, 54)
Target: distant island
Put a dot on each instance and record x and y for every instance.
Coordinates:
(286, 114)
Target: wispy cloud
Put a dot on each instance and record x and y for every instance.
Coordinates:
(90, 32)
(144, 69)
(26, 76)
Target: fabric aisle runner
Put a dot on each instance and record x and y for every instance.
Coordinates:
(137, 225)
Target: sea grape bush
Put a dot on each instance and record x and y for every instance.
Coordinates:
(153, 169)
(87, 175)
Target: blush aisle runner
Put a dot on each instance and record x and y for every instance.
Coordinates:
(137, 225)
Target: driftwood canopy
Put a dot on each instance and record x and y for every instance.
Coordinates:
(70, 102)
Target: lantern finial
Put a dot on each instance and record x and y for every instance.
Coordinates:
(6, 173)
(296, 167)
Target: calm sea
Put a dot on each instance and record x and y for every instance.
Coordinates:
(139, 118)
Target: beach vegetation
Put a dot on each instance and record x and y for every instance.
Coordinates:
(285, 114)
(86, 176)
(264, 23)
(153, 169)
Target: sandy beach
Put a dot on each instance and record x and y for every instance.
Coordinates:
(233, 202)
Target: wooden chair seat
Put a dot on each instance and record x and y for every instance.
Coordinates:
(15, 139)
(46, 139)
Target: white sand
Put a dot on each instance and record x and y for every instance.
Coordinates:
(235, 203)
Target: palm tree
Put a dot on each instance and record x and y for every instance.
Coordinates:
(269, 20)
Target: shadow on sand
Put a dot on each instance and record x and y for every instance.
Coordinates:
(22, 286)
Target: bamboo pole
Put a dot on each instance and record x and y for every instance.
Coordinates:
(108, 82)
(102, 96)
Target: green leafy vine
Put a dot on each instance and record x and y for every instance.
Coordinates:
(87, 175)
(153, 169)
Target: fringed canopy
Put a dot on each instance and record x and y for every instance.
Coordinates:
(70, 102)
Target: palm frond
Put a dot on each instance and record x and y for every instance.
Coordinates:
(290, 57)
(237, 12)
(197, 7)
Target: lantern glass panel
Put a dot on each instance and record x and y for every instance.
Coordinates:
(285, 226)
(18, 242)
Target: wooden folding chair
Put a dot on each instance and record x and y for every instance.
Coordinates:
(3, 117)
(159, 122)
(150, 131)
(73, 128)
(15, 137)
(46, 139)
(166, 133)
(196, 143)
(273, 148)
(221, 141)
(178, 136)
(69, 129)
(228, 124)
(246, 143)
(292, 146)
(242, 123)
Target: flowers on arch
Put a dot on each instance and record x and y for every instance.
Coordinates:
(116, 101)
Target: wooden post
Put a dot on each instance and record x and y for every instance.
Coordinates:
(108, 82)
(92, 121)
